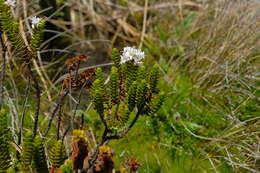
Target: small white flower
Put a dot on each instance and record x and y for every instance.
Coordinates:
(130, 53)
(35, 21)
(10, 3)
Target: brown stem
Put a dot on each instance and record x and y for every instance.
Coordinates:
(58, 103)
(79, 97)
(94, 157)
(2, 76)
(38, 99)
(23, 112)
(76, 79)
(65, 133)
(23, 115)
(82, 122)
(126, 130)
(59, 122)
(74, 113)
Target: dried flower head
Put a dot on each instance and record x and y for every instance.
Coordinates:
(72, 63)
(133, 165)
(84, 78)
(35, 21)
(11, 3)
(130, 53)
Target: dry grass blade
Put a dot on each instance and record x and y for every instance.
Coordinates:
(225, 44)
(222, 57)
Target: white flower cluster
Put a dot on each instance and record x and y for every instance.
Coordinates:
(35, 21)
(11, 3)
(130, 53)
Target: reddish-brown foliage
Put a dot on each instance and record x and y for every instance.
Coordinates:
(72, 63)
(55, 170)
(133, 165)
(79, 152)
(82, 79)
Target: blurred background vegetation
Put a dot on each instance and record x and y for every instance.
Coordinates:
(208, 54)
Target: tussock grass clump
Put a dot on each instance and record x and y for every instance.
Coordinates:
(224, 45)
(221, 58)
